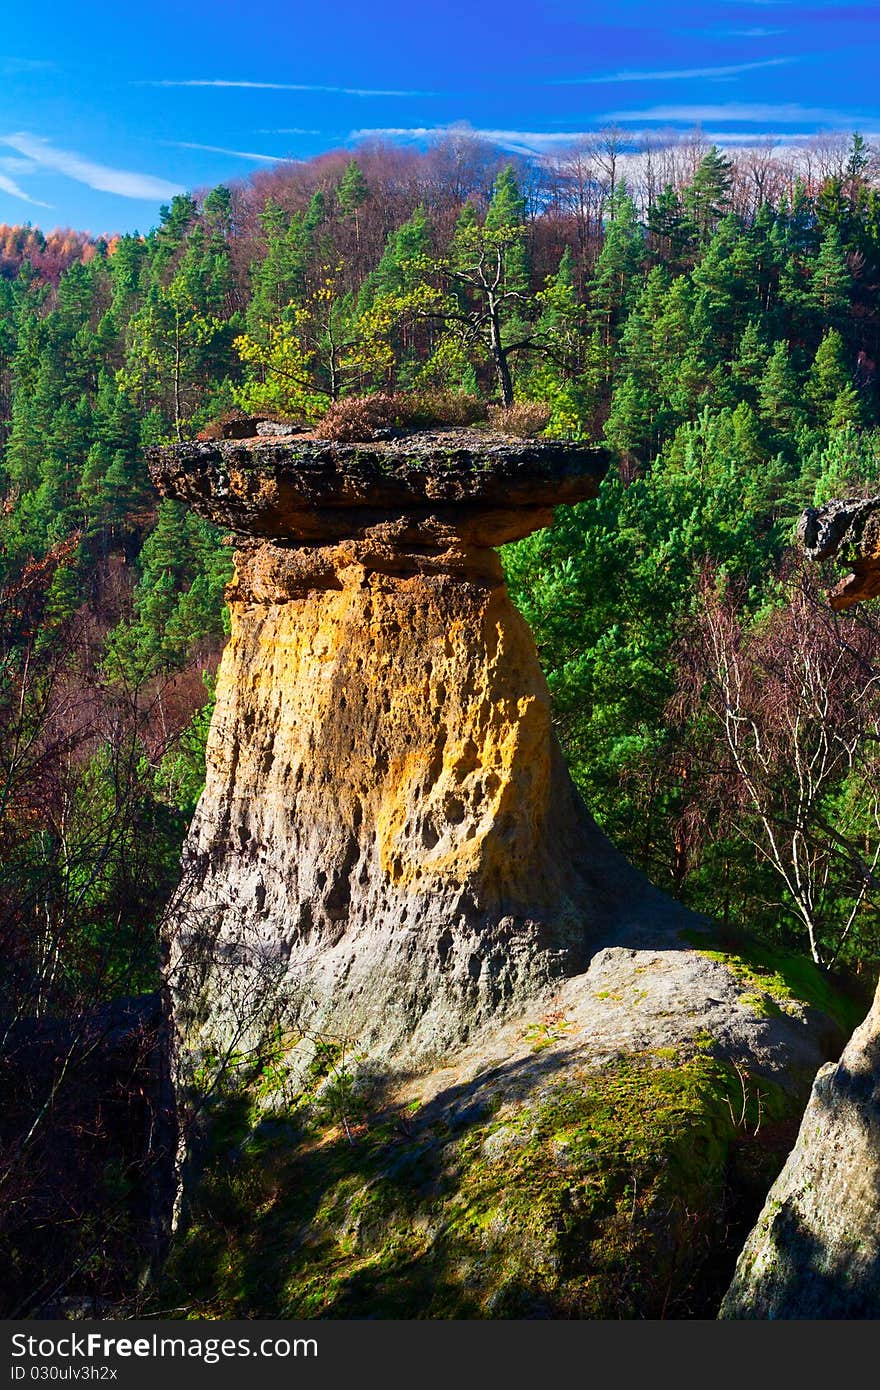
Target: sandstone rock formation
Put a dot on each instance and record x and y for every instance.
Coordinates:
(815, 1251)
(388, 844)
(551, 1076)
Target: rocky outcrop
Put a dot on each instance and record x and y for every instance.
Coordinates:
(601, 1155)
(420, 493)
(850, 530)
(501, 1075)
(815, 1251)
(389, 845)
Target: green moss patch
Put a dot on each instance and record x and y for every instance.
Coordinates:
(619, 1192)
(780, 982)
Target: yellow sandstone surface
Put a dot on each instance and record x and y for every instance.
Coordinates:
(388, 843)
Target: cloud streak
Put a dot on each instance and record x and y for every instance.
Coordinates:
(786, 112)
(525, 140)
(674, 74)
(236, 154)
(124, 182)
(18, 67)
(284, 87)
(9, 186)
(547, 143)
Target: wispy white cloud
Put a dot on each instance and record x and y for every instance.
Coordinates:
(8, 185)
(290, 130)
(749, 33)
(779, 142)
(236, 154)
(17, 67)
(547, 143)
(14, 164)
(284, 87)
(518, 141)
(785, 112)
(674, 74)
(126, 183)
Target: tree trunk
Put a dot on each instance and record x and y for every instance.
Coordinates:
(499, 357)
(177, 427)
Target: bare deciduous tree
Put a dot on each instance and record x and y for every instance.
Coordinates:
(795, 699)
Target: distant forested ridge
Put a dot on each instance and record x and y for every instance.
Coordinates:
(713, 318)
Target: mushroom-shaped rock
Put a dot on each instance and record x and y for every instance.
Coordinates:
(388, 845)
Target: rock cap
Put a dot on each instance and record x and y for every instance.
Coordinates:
(487, 488)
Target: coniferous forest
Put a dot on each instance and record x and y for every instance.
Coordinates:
(711, 318)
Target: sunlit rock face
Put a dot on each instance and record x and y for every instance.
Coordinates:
(388, 846)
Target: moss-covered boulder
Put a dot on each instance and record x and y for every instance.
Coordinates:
(602, 1158)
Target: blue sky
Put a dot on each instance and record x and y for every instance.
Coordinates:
(107, 110)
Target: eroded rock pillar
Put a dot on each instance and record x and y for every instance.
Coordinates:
(388, 845)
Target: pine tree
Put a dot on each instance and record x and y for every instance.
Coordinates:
(725, 291)
(506, 215)
(796, 241)
(750, 363)
(351, 195)
(829, 379)
(279, 279)
(632, 425)
(616, 279)
(681, 371)
(402, 261)
(779, 394)
(672, 227)
(830, 282)
(217, 209)
(175, 220)
(708, 197)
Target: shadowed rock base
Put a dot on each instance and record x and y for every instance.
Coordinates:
(815, 1251)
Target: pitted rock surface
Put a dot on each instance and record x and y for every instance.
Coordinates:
(435, 484)
(388, 845)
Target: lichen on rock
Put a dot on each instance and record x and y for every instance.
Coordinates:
(599, 1156)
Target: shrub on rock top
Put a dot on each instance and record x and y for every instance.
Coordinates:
(523, 419)
(363, 417)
